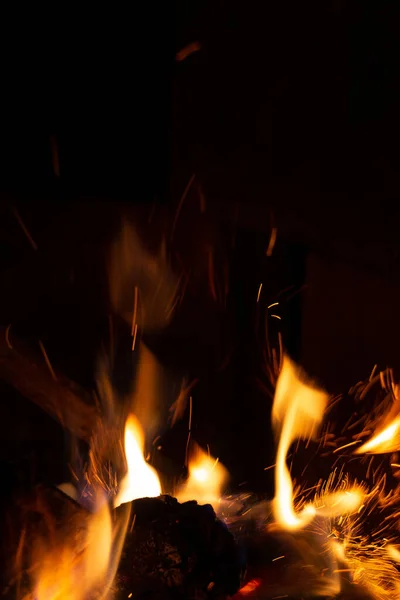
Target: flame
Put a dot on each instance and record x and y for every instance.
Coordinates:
(77, 565)
(387, 440)
(297, 411)
(141, 280)
(207, 477)
(141, 480)
(339, 503)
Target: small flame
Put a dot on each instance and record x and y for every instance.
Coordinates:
(141, 480)
(207, 477)
(297, 411)
(74, 568)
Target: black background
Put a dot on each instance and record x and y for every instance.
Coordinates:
(287, 116)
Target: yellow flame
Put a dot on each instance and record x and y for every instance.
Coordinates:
(387, 440)
(75, 566)
(141, 480)
(297, 411)
(207, 477)
(339, 503)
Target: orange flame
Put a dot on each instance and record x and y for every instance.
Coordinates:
(297, 411)
(76, 566)
(141, 480)
(207, 477)
(387, 440)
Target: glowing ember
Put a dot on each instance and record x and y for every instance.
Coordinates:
(250, 587)
(206, 480)
(141, 480)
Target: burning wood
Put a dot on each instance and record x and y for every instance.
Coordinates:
(171, 550)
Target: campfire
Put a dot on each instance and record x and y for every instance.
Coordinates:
(118, 530)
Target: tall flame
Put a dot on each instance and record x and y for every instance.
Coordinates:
(141, 480)
(297, 412)
(207, 477)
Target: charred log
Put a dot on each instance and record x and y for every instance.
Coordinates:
(178, 551)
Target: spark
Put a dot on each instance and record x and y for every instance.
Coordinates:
(259, 292)
(345, 446)
(273, 304)
(134, 337)
(134, 315)
(7, 337)
(48, 363)
(277, 317)
(278, 558)
(181, 201)
(25, 229)
(133, 523)
(189, 430)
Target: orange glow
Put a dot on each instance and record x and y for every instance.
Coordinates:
(206, 480)
(141, 480)
(77, 566)
(297, 411)
(250, 587)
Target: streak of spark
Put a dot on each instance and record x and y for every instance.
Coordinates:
(7, 337)
(48, 363)
(181, 201)
(346, 446)
(25, 229)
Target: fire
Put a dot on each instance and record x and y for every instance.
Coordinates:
(207, 477)
(387, 440)
(297, 411)
(75, 566)
(141, 480)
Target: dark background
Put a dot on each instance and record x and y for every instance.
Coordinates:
(287, 116)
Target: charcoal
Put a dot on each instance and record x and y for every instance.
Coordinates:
(177, 551)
